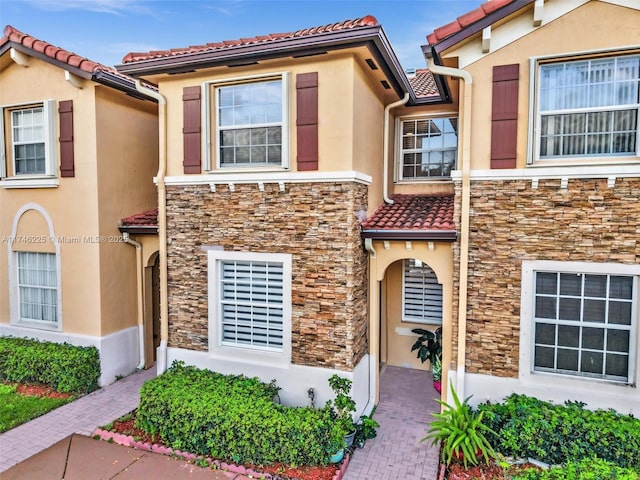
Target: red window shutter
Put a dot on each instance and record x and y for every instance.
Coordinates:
(65, 110)
(307, 120)
(504, 116)
(191, 130)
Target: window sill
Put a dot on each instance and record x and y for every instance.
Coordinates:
(577, 162)
(430, 181)
(30, 182)
(37, 326)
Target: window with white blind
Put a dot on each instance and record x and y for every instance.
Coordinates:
(250, 121)
(582, 319)
(589, 108)
(38, 287)
(250, 301)
(428, 148)
(421, 294)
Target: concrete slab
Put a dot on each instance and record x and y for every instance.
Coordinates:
(49, 464)
(91, 459)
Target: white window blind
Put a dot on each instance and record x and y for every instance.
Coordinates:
(38, 287)
(589, 107)
(252, 303)
(422, 294)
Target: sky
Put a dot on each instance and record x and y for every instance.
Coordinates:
(106, 30)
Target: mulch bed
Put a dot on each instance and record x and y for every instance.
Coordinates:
(326, 472)
(39, 391)
(484, 472)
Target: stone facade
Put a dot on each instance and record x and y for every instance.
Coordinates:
(317, 223)
(510, 222)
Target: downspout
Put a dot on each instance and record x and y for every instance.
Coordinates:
(162, 223)
(385, 146)
(465, 161)
(127, 239)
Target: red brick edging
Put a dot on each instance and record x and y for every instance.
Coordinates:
(129, 441)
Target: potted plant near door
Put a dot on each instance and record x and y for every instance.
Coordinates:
(343, 406)
(429, 346)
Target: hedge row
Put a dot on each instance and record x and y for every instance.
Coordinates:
(67, 368)
(555, 434)
(586, 469)
(231, 418)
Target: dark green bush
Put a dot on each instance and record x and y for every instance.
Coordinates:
(555, 434)
(586, 469)
(231, 418)
(67, 368)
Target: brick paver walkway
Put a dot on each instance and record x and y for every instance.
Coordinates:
(407, 399)
(80, 416)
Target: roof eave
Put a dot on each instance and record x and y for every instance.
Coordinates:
(442, 235)
(481, 24)
(139, 229)
(101, 76)
(372, 36)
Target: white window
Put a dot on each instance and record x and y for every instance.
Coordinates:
(428, 148)
(583, 320)
(251, 123)
(38, 287)
(421, 294)
(588, 108)
(28, 142)
(250, 302)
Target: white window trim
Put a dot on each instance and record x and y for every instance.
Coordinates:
(49, 177)
(210, 150)
(406, 319)
(12, 256)
(533, 143)
(247, 354)
(527, 324)
(397, 171)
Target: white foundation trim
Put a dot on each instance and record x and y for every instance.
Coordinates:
(268, 177)
(118, 351)
(294, 380)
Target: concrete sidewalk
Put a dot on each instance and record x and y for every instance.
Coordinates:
(80, 416)
(82, 458)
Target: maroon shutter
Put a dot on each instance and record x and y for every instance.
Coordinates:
(307, 120)
(504, 116)
(191, 130)
(65, 110)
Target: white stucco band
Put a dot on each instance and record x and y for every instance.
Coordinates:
(118, 351)
(294, 380)
(622, 398)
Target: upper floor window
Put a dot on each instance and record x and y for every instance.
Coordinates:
(428, 148)
(589, 108)
(250, 123)
(27, 142)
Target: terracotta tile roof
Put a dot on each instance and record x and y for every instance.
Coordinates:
(366, 21)
(424, 216)
(147, 219)
(94, 70)
(423, 83)
(465, 20)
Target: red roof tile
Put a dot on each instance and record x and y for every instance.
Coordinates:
(146, 219)
(413, 213)
(93, 69)
(465, 20)
(423, 83)
(333, 27)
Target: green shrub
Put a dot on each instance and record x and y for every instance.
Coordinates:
(528, 427)
(232, 418)
(586, 469)
(67, 368)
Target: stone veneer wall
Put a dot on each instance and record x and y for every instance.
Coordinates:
(317, 223)
(510, 222)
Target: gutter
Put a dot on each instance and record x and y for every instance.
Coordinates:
(465, 161)
(162, 224)
(127, 239)
(373, 361)
(385, 146)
